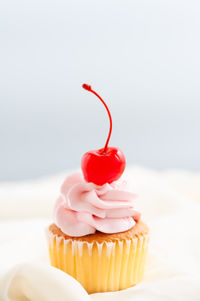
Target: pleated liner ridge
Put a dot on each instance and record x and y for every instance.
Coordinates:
(100, 267)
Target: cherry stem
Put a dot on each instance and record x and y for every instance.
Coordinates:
(89, 88)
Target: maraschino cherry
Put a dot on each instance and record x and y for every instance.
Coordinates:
(104, 165)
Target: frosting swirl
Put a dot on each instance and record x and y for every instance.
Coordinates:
(83, 207)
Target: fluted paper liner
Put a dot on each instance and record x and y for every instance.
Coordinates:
(100, 267)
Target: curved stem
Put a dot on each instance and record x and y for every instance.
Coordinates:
(89, 88)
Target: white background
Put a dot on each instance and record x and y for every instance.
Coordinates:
(141, 56)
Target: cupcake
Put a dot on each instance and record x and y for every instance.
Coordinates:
(98, 236)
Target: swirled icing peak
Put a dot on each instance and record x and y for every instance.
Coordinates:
(84, 208)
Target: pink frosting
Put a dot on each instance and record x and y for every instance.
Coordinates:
(83, 208)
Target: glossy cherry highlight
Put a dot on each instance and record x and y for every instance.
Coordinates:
(104, 165)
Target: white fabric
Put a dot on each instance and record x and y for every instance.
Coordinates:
(170, 203)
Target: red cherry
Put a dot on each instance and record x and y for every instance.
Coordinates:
(103, 165)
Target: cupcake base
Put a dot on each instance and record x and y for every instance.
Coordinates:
(101, 262)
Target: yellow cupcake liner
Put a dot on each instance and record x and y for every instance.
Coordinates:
(100, 267)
